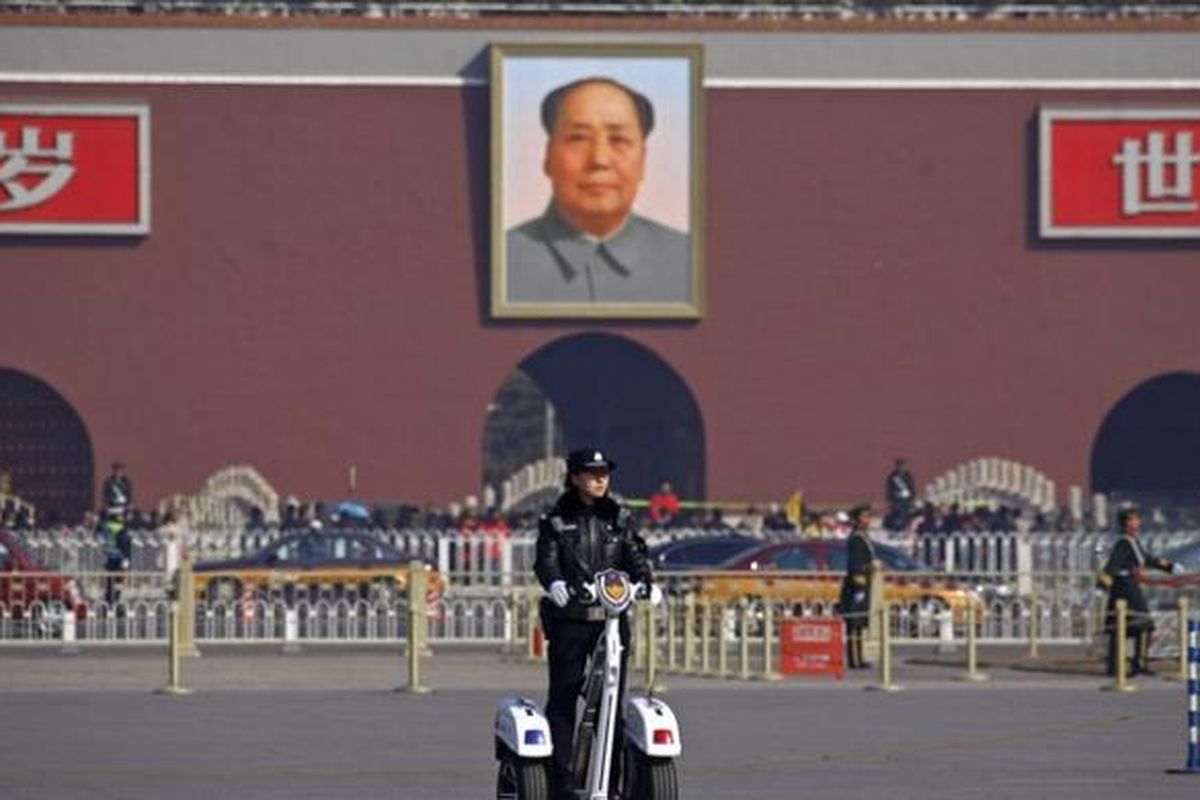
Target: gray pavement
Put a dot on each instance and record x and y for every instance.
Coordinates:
(327, 724)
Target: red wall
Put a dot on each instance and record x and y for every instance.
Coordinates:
(312, 292)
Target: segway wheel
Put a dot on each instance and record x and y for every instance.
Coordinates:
(522, 779)
(663, 781)
(652, 778)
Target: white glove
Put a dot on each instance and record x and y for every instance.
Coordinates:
(1177, 569)
(656, 595)
(559, 594)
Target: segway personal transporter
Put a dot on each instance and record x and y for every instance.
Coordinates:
(522, 733)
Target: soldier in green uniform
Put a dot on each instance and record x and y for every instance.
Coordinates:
(1120, 576)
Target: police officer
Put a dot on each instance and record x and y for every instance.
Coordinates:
(117, 491)
(586, 531)
(118, 552)
(901, 492)
(855, 600)
(1121, 575)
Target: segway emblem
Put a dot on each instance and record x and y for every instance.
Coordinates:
(615, 586)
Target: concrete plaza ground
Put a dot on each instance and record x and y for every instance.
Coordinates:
(327, 724)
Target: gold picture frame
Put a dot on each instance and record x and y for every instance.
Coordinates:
(602, 135)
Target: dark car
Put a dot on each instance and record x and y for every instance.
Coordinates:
(1163, 591)
(23, 581)
(1188, 556)
(315, 565)
(699, 553)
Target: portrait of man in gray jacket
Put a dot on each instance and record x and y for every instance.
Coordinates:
(590, 245)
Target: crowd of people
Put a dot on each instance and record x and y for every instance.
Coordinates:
(903, 512)
(767, 520)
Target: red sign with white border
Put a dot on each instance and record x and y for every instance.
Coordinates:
(74, 169)
(812, 646)
(1119, 172)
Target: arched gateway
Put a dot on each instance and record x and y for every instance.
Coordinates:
(613, 392)
(44, 448)
(1148, 447)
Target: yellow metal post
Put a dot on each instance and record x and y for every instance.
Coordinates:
(723, 642)
(187, 609)
(423, 628)
(885, 654)
(174, 677)
(416, 621)
(744, 643)
(671, 643)
(689, 632)
(872, 640)
(973, 673)
(1121, 684)
(652, 684)
(637, 634)
(768, 671)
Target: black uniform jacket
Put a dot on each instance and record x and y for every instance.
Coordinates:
(117, 491)
(575, 541)
(1120, 577)
(856, 591)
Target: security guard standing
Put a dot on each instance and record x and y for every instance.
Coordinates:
(117, 492)
(118, 552)
(1121, 575)
(901, 491)
(855, 600)
(586, 531)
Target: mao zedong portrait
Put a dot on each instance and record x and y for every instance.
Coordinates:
(590, 245)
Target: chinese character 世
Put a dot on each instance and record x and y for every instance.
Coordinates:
(1155, 163)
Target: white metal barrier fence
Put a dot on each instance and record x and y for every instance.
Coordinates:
(476, 557)
(489, 559)
(480, 620)
(999, 553)
(505, 617)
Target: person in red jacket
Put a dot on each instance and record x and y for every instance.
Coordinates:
(664, 505)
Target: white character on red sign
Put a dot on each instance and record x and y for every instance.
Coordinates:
(50, 168)
(1160, 194)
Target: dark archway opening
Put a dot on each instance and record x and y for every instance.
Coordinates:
(611, 392)
(45, 450)
(1148, 447)
(522, 426)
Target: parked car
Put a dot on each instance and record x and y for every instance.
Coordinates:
(811, 571)
(23, 581)
(315, 565)
(698, 553)
(1188, 556)
(1163, 591)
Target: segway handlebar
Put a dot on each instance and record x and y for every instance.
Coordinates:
(619, 591)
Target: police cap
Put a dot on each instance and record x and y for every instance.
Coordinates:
(588, 458)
